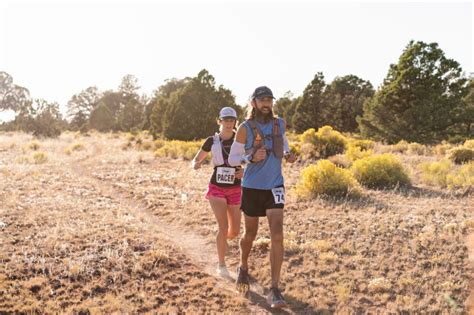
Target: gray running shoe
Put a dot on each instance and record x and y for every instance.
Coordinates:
(275, 299)
(242, 283)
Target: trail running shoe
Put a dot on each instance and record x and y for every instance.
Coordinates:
(275, 299)
(222, 271)
(242, 283)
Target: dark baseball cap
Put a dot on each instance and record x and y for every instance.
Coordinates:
(262, 91)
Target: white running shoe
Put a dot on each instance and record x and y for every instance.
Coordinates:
(222, 271)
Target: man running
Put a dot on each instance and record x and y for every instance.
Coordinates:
(261, 144)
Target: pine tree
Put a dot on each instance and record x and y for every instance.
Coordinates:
(420, 99)
(309, 111)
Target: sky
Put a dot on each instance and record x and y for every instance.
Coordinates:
(57, 49)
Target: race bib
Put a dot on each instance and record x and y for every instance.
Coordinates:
(279, 195)
(225, 175)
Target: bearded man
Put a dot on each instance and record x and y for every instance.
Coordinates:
(260, 144)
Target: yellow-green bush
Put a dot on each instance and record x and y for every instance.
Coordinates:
(147, 145)
(401, 146)
(442, 148)
(158, 143)
(326, 179)
(40, 157)
(309, 136)
(469, 144)
(325, 142)
(77, 147)
(380, 171)
(435, 173)
(295, 148)
(461, 155)
(354, 152)
(130, 137)
(292, 136)
(416, 148)
(462, 177)
(364, 145)
(34, 145)
(178, 149)
(340, 160)
(308, 151)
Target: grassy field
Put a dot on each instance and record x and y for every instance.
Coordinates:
(119, 223)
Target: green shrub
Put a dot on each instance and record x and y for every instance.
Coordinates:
(309, 136)
(435, 173)
(400, 147)
(461, 155)
(77, 147)
(326, 179)
(40, 157)
(457, 139)
(416, 148)
(34, 145)
(178, 149)
(295, 148)
(130, 137)
(325, 142)
(356, 152)
(469, 144)
(364, 145)
(442, 148)
(147, 145)
(380, 171)
(446, 175)
(308, 151)
(158, 143)
(340, 160)
(462, 177)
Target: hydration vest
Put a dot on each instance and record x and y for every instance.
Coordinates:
(216, 150)
(277, 138)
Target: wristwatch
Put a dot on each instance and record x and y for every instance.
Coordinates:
(246, 159)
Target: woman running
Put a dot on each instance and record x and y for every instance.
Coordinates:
(224, 187)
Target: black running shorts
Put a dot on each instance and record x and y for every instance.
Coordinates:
(255, 202)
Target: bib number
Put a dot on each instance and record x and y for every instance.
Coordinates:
(279, 195)
(225, 175)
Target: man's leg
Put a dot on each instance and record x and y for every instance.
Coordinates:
(275, 221)
(251, 228)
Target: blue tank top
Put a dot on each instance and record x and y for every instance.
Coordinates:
(265, 174)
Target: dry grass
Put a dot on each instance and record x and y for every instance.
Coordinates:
(70, 245)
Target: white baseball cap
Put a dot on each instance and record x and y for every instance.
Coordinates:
(227, 112)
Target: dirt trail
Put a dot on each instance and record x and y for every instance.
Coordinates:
(195, 247)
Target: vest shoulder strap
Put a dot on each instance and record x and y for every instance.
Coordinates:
(256, 131)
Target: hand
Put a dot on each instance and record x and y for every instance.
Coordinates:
(260, 154)
(290, 157)
(196, 165)
(239, 173)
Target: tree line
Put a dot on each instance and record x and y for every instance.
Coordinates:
(425, 97)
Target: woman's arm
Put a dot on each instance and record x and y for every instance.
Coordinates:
(197, 161)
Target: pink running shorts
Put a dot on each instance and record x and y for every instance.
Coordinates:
(230, 194)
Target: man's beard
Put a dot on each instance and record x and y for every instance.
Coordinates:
(263, 117)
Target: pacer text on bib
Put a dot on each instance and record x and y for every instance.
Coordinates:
(225, 175)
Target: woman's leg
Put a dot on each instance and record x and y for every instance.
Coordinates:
(219, 207)
(233, 217)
